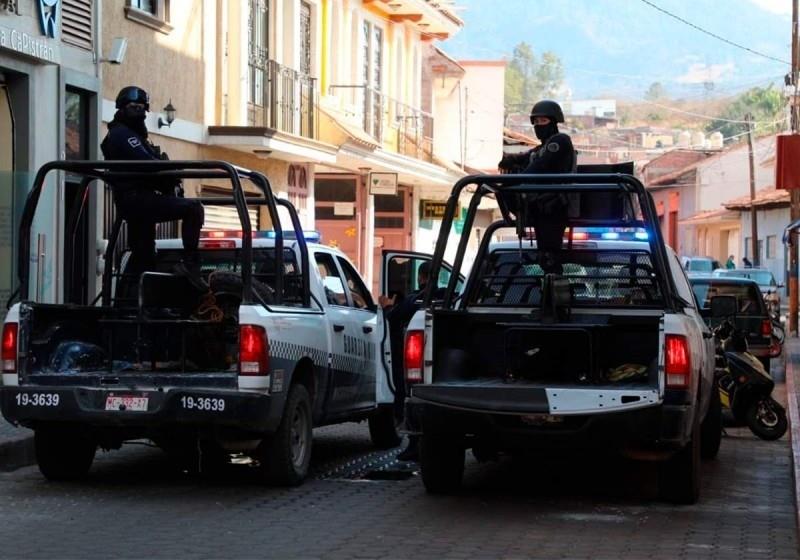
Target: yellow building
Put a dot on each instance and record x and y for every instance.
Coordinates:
(317, 94)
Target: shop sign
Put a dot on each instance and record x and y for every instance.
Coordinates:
(383, 183)
(27, 44)
(344, 209)
(48, 16)
(432, 209)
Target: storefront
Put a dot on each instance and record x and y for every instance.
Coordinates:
(48, 110)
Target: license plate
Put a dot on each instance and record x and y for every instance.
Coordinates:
(126, 402)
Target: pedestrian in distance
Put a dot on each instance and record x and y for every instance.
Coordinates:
(730, 263)
(143, 204)
(746, 262)
(399, 314)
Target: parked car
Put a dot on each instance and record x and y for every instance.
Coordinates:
(766, 283)
(699, 267)
(752, 318)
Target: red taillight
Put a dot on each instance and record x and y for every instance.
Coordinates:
(766, 327)
(9, 353)
(678, 362)
(414, 350)
(217, 244)
(253, 350)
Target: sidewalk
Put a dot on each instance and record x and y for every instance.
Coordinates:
(16, 447)
(792, 350)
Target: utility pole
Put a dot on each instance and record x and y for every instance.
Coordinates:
(753, 213)
(794, 194)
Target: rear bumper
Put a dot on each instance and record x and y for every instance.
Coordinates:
(31, 405)
(651, 427)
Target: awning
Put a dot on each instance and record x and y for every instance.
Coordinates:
(260, 140)
(709, 217)
(765, 198)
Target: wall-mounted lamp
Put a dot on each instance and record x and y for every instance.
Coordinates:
(169, 111)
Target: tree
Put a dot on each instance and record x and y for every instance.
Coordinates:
(767, 106)
(529, 79)
(655, 92)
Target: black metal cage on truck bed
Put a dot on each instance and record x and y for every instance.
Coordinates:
(604, 200)
(110, 171)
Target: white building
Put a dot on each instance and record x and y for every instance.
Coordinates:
(593, 107)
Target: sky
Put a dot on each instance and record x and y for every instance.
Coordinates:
(619, 47)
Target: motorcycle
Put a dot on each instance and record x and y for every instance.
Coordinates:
(745, 387)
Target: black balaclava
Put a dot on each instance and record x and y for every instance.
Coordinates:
(133, 117)
(545, 131)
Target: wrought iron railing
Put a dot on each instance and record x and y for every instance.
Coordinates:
(376, 110)
(282, 98)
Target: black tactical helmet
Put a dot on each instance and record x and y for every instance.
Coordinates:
(549, 109)
(132, 94)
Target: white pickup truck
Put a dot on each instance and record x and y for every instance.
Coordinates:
(288, 339)
(606, 349)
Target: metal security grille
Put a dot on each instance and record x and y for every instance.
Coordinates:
(596, 278)
(76, 23)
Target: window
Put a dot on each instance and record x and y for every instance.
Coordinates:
(76, 125)
(305, 38)
(747, 245)
(372, 77)
(76, 23)
(359, 294)
(772, 246)
(152, 13)
(332, 282)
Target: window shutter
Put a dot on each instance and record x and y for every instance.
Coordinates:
(76, 23)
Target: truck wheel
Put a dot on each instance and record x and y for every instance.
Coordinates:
(679, 476)
(383, 429)
(286, 455)
(711, 429)
(442, 464)
(63, 454)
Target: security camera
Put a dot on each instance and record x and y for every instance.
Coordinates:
(118, 47)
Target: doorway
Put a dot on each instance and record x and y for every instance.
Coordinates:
(392, 228)
(7, 236)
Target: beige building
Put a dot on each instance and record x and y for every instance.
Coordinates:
(320, 95)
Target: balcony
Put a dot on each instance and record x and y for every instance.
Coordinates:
(282, 98)
(390, 121)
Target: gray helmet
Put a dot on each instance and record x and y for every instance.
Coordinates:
(549, 109)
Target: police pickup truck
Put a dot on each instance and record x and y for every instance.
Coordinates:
(598, 344)
(287, 338)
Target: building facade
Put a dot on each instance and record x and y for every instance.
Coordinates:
(49, 110)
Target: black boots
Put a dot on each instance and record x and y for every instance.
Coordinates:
(189, 268)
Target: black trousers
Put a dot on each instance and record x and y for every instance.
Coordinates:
(142, 210)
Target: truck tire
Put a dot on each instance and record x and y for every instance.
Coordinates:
(442, 463)
(63, 454)
(383, 429)
(286, 455)
(679, 476)
(711, 429)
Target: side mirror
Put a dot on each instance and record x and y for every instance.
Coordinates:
(724, 306)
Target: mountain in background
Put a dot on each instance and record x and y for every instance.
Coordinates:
(617, 48)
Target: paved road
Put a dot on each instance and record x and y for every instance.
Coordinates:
(134, 505)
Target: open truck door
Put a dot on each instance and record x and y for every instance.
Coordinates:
(400, 271)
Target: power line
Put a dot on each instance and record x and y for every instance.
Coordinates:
(707, 117)
(723, 39)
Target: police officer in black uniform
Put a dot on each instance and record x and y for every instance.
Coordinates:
(548, 211)
(143, 204)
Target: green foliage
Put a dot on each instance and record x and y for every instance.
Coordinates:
(655, 92)
(766, 105)
(529, 79)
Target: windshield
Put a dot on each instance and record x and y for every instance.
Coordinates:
(701, 265)
(510, 277)
(747, 295)
(763, 278)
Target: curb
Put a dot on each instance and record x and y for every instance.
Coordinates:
(17, 453)
(793, 347)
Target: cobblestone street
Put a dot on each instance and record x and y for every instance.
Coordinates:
(134, 505)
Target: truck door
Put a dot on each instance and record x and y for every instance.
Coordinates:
(362, 340)
(341, 387)
(400, 280)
